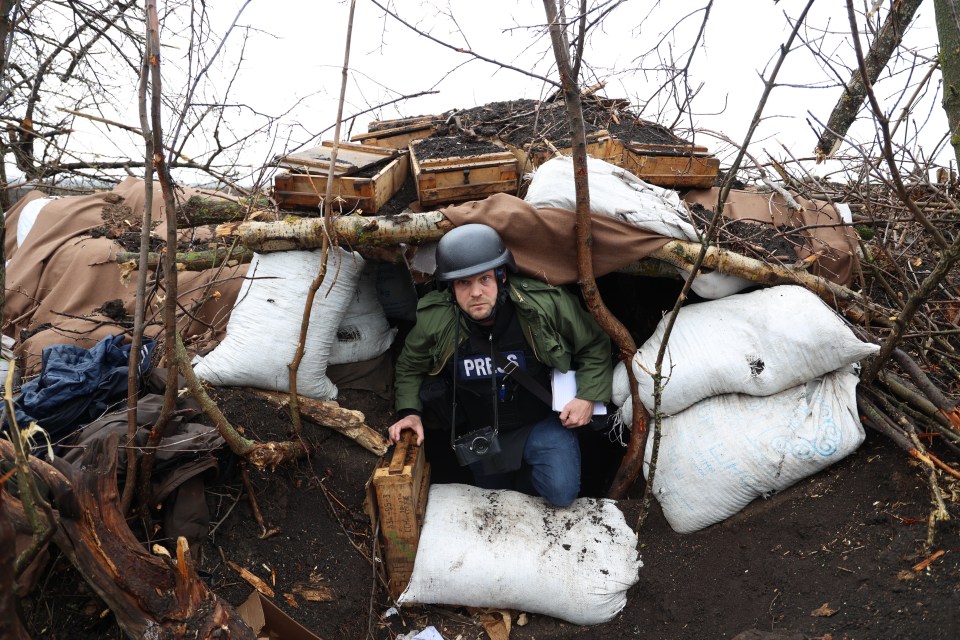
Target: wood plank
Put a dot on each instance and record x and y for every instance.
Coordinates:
(449, 165)
(666, 149)
(399, 123)
(466, 192)
(396, 137)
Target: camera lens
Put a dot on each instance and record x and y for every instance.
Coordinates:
(480, 446)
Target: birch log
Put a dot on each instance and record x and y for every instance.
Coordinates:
(351, 231)
(848, 302)
(415, 228)
(212, 258)
(348, 422)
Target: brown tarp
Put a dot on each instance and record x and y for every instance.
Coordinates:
(62, 274)
(543, 241)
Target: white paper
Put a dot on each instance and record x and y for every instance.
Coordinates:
(564, 387)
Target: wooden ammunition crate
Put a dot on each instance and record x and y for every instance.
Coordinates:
(401, 482)
(397, 134)
(459, 178)
(672, 166)
(305, 188)
(599, 145)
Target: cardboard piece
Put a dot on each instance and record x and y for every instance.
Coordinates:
(269, 622)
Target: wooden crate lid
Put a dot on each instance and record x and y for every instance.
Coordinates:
(395, 131)
(351, 158)
(666, 149)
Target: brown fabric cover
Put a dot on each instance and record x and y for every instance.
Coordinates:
(543, 241)
(824, 233)
(374, 375)
(63, 281)
(61, 275)
(82, 291)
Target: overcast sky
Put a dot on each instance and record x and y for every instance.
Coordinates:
(294, 51)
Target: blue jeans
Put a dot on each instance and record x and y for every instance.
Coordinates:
(551, 465)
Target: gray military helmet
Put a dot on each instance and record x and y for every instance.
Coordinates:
(471, 249)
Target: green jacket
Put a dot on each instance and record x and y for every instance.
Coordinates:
(562, 334)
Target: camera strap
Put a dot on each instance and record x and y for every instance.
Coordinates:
(474, 342)
(511, 368)
(456, 365)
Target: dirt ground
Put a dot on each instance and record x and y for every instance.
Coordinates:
(831, 557)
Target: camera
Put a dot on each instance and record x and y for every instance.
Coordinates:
(471, 447)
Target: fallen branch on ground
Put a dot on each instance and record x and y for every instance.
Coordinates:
(348, 422)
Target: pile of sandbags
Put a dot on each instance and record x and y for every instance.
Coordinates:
(759, 392)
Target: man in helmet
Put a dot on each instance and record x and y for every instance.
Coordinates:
(489, 391)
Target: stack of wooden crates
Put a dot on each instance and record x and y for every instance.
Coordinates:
(374, 166)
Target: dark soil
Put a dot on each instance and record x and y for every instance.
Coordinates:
(402, 199)
(371, 170)
(830, 557)
(524, 122)
(453, 147)
(115, 310)
(846, 538)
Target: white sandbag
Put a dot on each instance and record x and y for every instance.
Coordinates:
(757, 343)
(507, 550)
(723, 452)
(264, 326)
(617, 193)
(620, 390)
(620, 395)
(714, 285)
(614, 192)
(364, 332)
(6, 356)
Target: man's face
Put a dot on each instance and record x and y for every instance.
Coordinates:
(477, 294)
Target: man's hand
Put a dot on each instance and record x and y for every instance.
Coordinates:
(576, 413)
(411, 422)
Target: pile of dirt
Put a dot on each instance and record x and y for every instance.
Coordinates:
(453, 147)
(522, 123)
(835, 556)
